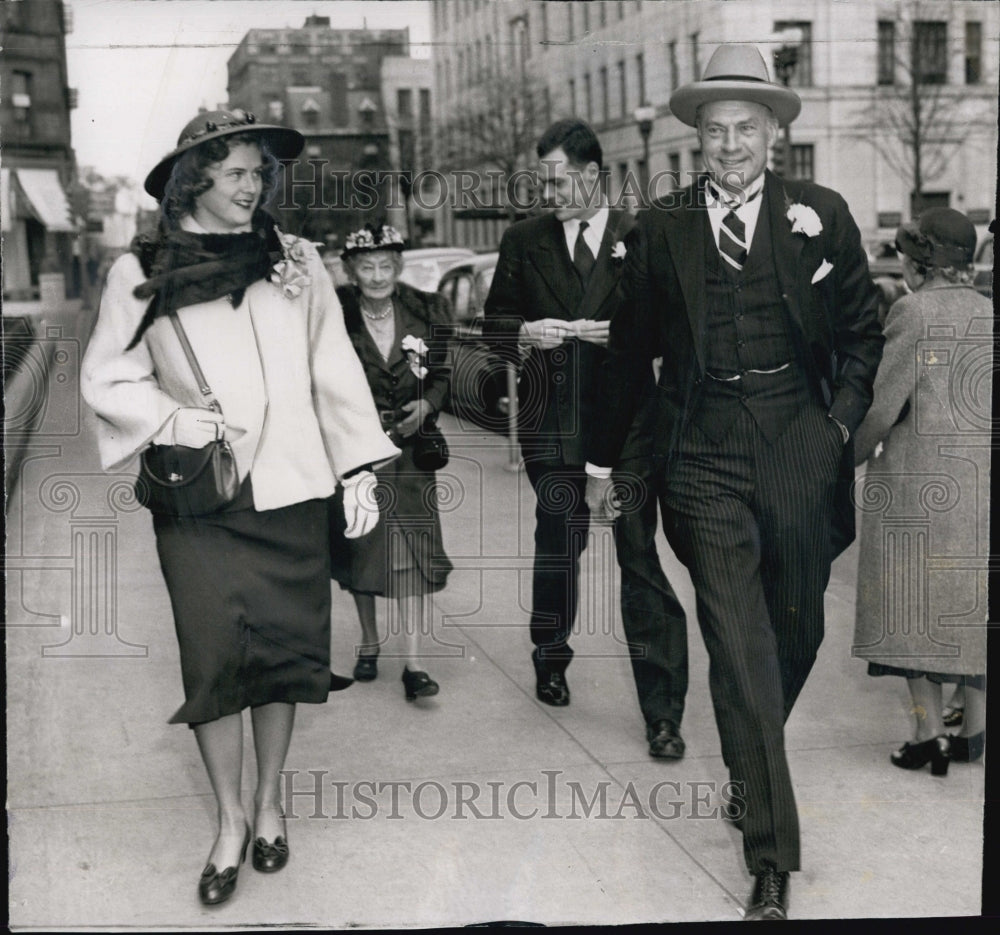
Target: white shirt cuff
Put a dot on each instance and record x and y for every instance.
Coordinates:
(594, 471)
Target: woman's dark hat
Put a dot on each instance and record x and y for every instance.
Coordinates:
(942, 237)
(735, 73)
(284, 142)
(371, 238)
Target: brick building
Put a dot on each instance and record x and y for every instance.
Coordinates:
(38, 160)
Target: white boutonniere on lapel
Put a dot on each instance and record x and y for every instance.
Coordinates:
(618, 252)
(804, 220)
(290, 271)
(415, 350)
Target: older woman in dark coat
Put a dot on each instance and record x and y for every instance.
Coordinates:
(921, 600)
(400, 335)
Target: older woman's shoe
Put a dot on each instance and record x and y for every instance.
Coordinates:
(952, 717)
(366, 668)
(271, 857)
(216, 886)
(936, 751)
(418, 685)
(967, 749)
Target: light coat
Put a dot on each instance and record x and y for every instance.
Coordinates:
(296, 404)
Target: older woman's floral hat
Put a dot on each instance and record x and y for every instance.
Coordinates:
(942, 237)
(284, 142)
(372, 237)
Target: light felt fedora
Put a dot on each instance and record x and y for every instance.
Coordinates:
(283, 142)
(735, 73)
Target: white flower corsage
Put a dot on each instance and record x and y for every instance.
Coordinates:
(415, 351)
(618, 252)
(291, 273)
(804, 220)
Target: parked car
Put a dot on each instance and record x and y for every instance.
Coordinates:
(479, 377)
(422, 267)
(983, 264)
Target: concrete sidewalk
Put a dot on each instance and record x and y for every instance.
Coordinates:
(480, 804)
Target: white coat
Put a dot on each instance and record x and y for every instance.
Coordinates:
(296, 404)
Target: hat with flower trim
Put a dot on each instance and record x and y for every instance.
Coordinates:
(372, 237)
(283, 142)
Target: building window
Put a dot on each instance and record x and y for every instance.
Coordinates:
(803, 162)
(674, 69)
(973, 52)
(930, 52)
(605, 103)
(586, 18)
(404, 103)
(621, 9)
(695, 64)
(310, 118)
(20, 95)
(886, 51)
(622, 89)
(570, 32)
(588, 97)
(545, 26)
(674, 163)
(425, 107)
(802, 76)
(603, 7)
(696, 165)
(572, 96)
(640, 74)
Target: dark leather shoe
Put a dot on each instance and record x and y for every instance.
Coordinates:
(967, 749)
(418, 685)
(769, 899)
(552, 689)
(665, 740)
(216, 887)
(366, 668)
(268, 857)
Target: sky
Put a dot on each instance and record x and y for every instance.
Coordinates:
(143, 67)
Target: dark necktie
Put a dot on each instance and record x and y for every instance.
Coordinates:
(733, 233)
(583, 259)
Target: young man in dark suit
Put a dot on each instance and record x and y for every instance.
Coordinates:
(755, 290)
(553, 292)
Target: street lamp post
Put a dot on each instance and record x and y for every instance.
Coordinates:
(786, 57)
(644, 116)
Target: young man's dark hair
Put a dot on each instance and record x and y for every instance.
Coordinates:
(576, 139)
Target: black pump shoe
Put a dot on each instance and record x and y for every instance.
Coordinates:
(935, 751)
(418, 685)
(216, 887)
(366, 668)
(268, 857)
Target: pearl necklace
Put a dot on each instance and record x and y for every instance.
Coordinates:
(377, 316)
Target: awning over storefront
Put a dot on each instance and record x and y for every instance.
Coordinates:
(44, 193)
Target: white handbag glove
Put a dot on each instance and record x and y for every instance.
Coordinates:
(360, 507)
(196, 428)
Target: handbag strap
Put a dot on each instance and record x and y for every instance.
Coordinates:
(203, 387)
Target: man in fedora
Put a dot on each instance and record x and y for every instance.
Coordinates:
(554, 289)
(756, 292)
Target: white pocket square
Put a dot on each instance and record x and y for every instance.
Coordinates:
(822, 272)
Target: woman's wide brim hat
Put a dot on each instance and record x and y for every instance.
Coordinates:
(735, 73)
(942, 237)
(283, 142)
(370, 238)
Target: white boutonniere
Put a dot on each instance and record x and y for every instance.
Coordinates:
(291, 273)
(618, 252)
(415, 350)
(804, 220)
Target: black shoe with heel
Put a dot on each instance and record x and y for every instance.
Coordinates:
(967, 749)
(270, 857)
(216, 886)
(366, 668)
(418, 685)
(936, 751)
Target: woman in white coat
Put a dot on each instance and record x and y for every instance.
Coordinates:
(249, 585)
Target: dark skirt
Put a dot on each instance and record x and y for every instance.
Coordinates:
(973, 681)
(250, 593)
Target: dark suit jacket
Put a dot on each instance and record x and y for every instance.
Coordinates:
(662, 312)
(535, 279)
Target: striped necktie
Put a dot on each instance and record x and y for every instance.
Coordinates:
(733, 234)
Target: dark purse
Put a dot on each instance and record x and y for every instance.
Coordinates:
(180, 481)
(430, 450)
